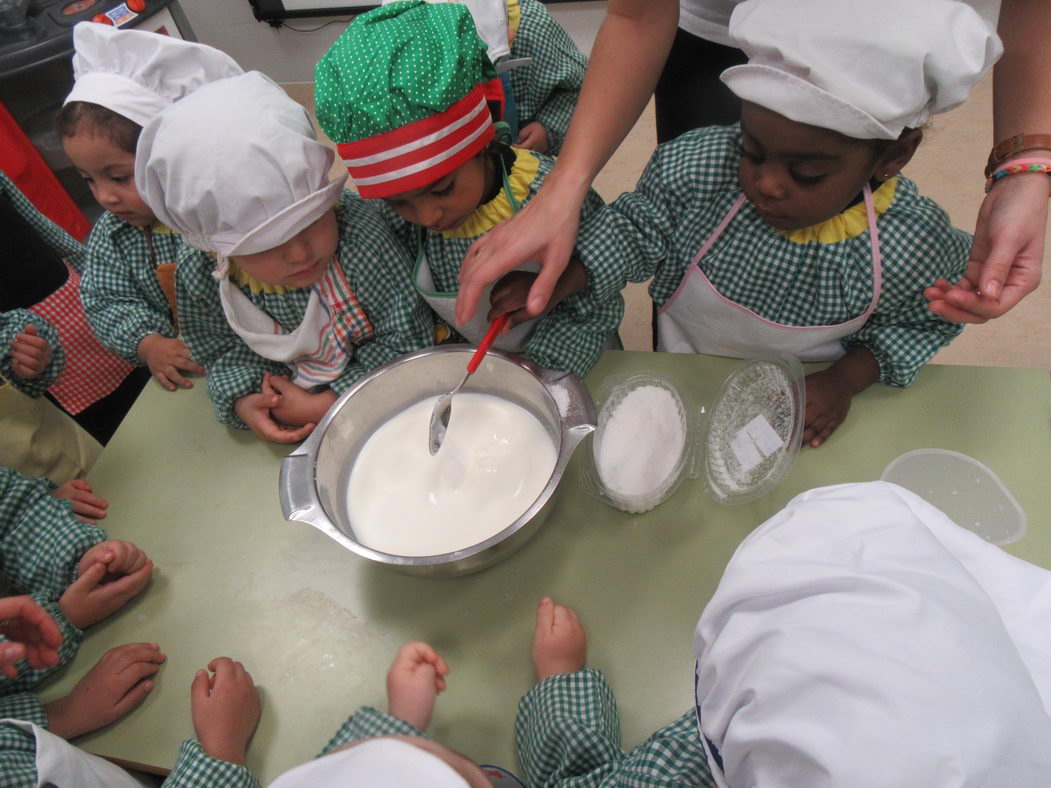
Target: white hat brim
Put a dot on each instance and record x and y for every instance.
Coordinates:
(803, 102)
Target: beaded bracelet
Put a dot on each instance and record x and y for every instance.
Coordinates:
(1017, 167)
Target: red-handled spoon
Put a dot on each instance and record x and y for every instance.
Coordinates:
(443, 407)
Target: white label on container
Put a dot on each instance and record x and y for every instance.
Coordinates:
(744, 449)
(765, 436)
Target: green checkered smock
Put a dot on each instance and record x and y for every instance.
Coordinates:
(546, 90)
(197, 769)
(62, 243)
(567, 733)
(122, 296)
(687, 188)
(15, 322)
(377, 267)
(40, 544)
(572, 335)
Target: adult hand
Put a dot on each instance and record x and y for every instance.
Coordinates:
(544, 230)
(86, 505)
(32, 635)
(1006, 256)
(225, 708)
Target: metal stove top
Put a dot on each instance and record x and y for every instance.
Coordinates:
(47, 30)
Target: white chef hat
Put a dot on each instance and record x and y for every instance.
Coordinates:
(235, 167)
(859, 637)
(377, 763)
(136, 73)
(866, 69)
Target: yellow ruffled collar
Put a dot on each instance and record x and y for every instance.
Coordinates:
(500, 209)
(849, 224)
(242, 277)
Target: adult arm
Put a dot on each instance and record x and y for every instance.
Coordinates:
(1009, 237)
(626, 60)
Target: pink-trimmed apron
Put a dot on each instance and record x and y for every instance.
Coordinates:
(699, 319)
(92, 371)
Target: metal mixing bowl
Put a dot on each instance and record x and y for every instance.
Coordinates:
(315, 477)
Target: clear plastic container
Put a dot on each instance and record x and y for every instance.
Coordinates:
(970, 494)
(745, 445)
(631, 467)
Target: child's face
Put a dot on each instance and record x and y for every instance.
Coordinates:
(110, 173)
(298, 262)
(798, 175)
(448, 202)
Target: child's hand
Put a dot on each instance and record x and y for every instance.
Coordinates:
(225, 708)
(117, 684)
(510, 293)
(32, 635)
(30, 354)
(119, 556)
(415, 678)
(98, 592)
(559, 642)
(297, 405)
(166, 357)
(86, 506)
(254, 410)
(533, 136)
(828, 400)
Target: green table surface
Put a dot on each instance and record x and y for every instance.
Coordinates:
(317, 626)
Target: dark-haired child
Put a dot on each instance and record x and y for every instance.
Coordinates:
(402, 92)
(124, 78)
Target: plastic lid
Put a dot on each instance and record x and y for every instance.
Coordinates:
(755, 429)
(968, 492)
(643, 445)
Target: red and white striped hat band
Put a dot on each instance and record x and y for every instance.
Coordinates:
(414, 156)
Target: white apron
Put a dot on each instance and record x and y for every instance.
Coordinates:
(444, 303)
(698, 319)
(60, 764)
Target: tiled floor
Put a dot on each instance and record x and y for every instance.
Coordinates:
(948, 168)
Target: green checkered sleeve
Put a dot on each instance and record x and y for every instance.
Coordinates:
(379, 271)
(234, 370)
(17, 746)
(573, 335)
(568, 734)
(368, 723)
(15, 322)
(29, 677)
(546, 90)
(197, 769)
(62, 243)
(918, 244)
(654, 230)
(41, 540)
(122, 296)
(567, 730)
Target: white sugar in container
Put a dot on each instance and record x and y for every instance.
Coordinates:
(641, 449)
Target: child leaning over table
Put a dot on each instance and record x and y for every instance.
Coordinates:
(310, 291)
(402, 93)
(567, 731)
(124, 78)
(793, 230)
